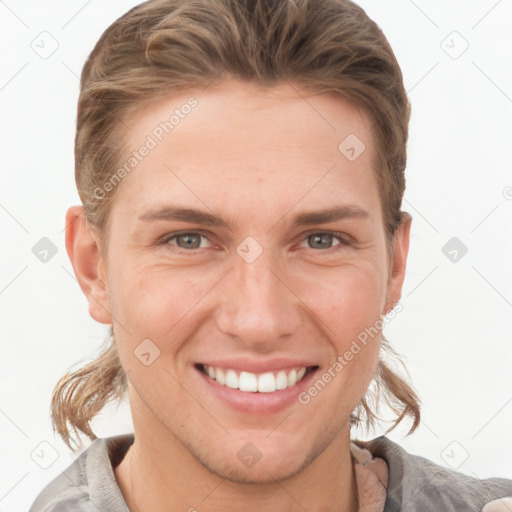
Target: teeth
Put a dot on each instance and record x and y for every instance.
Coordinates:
(219, 376)
(250, 382)
(281, 380)
(266, 383)
(231, 379)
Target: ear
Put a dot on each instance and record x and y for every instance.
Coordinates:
(83, 249)
(398, 263)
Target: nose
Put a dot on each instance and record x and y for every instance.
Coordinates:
(258, 307)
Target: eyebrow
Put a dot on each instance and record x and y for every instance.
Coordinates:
(208, 219)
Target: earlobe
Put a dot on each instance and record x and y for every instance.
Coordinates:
(399, 263)
(84, 252)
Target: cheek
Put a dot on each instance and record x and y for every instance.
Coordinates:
(349, 308)
(155, 299)
(350, 301)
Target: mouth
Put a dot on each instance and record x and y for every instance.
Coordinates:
(248, 382)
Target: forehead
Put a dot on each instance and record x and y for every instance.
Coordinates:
(263, 144)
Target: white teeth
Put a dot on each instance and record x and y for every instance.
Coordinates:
(248, 382)
(267, 382)
(231, 379)
(292, 378)
(281, 380)
(219, 376)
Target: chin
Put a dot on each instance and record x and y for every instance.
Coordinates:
(246, 464)
(262, 472)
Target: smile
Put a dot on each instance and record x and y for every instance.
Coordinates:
(248, 382)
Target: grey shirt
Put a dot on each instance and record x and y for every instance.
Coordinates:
(415, 484)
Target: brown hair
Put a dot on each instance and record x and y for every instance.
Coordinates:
(164, 46)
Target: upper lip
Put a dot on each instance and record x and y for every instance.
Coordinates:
(258, 366)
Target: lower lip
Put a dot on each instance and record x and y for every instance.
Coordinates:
(257, 403)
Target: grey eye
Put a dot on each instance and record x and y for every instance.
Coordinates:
(188, 240)
(321, 240)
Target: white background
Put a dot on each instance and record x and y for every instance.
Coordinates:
(455, 328)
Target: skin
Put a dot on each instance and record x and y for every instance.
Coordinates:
(256, 157)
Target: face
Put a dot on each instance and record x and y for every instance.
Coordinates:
(247, 250)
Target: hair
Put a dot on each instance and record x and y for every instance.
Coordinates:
(164, 46)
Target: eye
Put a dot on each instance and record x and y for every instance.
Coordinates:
(325, 240)
(187, 240)
(192, 240)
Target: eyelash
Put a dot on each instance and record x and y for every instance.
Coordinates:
(336, 234)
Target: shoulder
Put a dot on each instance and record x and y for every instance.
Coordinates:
(417, 484)
(88, 483)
